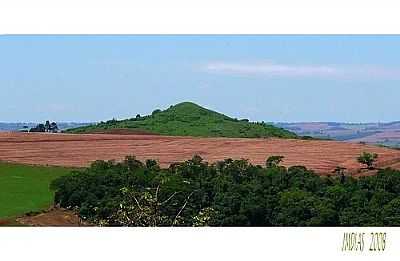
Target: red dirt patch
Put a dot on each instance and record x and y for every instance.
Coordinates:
(3, 222)
(80, 150)
(55, 217)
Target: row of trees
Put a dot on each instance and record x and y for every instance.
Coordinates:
(47, 127)
(227, 193)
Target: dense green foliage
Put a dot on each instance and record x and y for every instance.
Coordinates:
(368, 159)
(227, 193)
(189, 119)
(25, 188)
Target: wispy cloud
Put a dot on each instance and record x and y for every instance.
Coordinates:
(286, 70)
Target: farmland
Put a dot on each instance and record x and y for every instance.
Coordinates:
(79, 150)
(25, 188)
(387, 134)
(24, 184)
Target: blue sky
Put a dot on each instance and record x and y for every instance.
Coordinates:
(263, 78)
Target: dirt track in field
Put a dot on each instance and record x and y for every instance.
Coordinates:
(80, 150)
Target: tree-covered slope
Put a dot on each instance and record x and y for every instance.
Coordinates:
(189, 119)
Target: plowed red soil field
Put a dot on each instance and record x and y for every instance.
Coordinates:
(78, 150)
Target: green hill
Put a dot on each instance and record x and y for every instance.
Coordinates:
(189, 119)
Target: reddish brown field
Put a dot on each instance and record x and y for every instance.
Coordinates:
(80, 150)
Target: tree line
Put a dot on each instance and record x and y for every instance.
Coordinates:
(228, 193)
(47, 127)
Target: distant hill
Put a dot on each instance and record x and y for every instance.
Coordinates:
(188, 119)
(386, 134)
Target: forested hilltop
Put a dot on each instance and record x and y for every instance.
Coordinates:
(189, 119)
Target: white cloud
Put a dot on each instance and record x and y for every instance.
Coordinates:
(287, 70)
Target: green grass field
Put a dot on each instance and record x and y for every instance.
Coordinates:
(25, 188)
